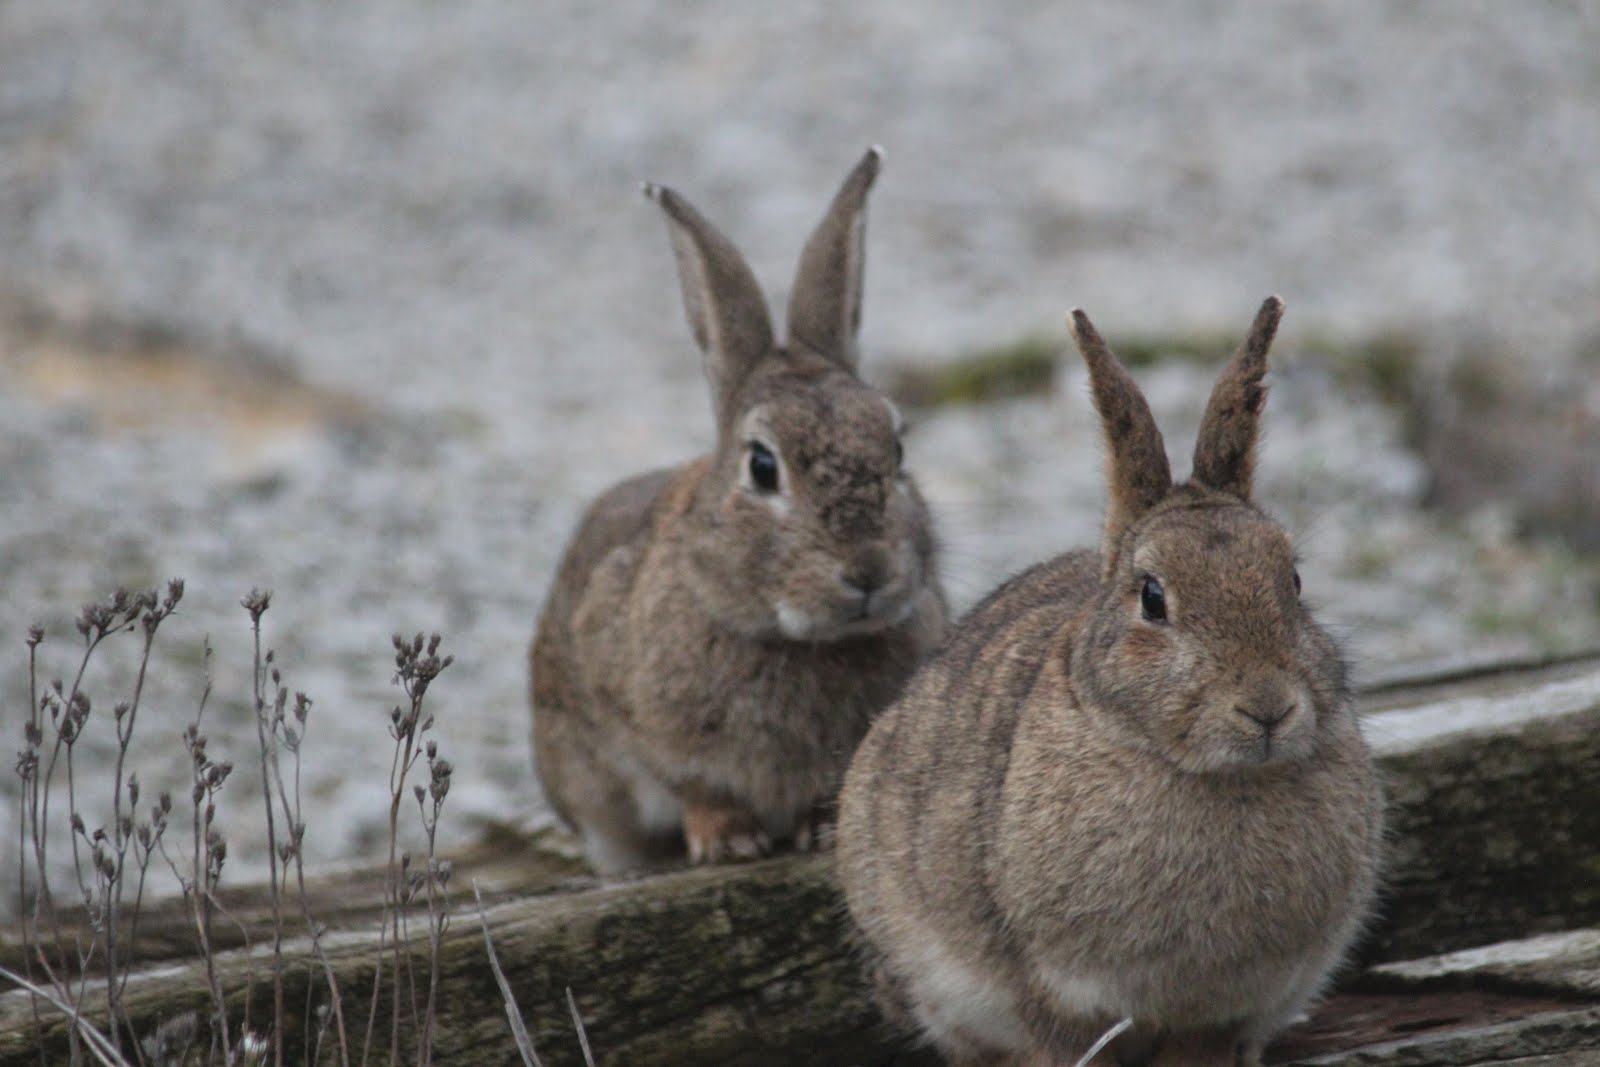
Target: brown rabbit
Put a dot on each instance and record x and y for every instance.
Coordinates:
(1130, 785)
(720, 635)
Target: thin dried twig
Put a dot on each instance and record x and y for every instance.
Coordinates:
(256, 604)
(98, 1044)
(519, 1030)
(1105, 1039)
(577, 1022)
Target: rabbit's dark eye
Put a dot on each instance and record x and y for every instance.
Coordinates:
(763, 467)
(1153, 600)
(1296, 573)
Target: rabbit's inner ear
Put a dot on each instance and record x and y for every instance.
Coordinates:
(726, 309)
(1225, 451)
(825, 304)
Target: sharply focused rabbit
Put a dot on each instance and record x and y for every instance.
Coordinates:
(720, 635)
(1130, 785)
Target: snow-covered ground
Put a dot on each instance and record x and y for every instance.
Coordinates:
(415, 312)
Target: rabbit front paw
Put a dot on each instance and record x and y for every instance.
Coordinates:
(718, 832)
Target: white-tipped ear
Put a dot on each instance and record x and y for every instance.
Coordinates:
(825, 304)
(1225, 450)
(726, 308)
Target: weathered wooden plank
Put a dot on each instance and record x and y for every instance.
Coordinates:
(1495, 787)
(703, 966)
(1561, 964)
(1533, 1000)
(505, 864)
(1568, 1038)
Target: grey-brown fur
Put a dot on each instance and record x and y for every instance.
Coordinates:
(1078, 812)
(712, 650)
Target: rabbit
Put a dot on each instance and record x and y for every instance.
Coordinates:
(1130, 784)
(719, 635)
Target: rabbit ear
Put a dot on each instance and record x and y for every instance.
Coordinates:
(1138, 472)
(1225, 452)
(825, 304)
(727, 310)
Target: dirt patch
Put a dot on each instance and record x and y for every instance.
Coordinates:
(127, 377)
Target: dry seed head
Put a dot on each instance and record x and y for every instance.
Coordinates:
(256, 603)
(442, 871)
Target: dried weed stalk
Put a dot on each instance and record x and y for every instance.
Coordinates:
(417, 664)
(110, 862)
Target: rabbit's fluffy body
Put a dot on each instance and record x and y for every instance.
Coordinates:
(1081, 811)
(720, 635)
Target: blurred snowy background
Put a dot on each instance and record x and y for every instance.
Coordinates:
(359, 303)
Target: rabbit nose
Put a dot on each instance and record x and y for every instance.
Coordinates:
(1268, 713)
(868, 572)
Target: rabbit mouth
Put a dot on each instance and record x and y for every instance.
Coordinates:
(859, 616)
(1248, 743)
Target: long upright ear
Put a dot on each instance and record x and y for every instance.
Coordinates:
(825, 303)
(1225, 451)
(1136, 457)
(726, 308)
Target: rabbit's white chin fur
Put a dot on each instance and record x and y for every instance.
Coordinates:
(798, 624)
